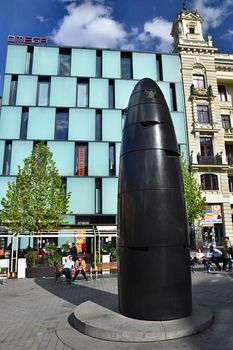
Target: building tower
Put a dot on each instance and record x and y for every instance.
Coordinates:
(208, 93)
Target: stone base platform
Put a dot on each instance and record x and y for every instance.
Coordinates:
(99, 322)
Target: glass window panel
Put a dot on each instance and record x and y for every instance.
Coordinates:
(7, 158)
(203, 114)
(83, 63)
(63, 92)
(13, 65)
(45, 60)
(159, 67)
(109, 194)
(63, 155)
(112, 130)
(173, 97)
(43, 92)
(98, 195)
(82, 93)
(27, 90)
(111, 94)
(81, 159)
(2, 146)
(82, 124)
(226, 121)
(24, 124)
(98, 159)
(171, 68)
(179, 97)
(98, 64)
(10, 122)
(111, 64)
(209, 182)
(6, 90)
(64, 62)
(206, 146)
(41, 123)
(118, 151)
(144, 65)
(20, 151)
(13, 90)
(179, 125)
(222, 95)
(81, 188)
(29, 60)
(112, 161)
(98, 125)
(99, 93)
(123, 90)
(61, 125)
(165, 87)
(126, 65)
(199, 81)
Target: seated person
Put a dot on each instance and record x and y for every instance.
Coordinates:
(216, 257)
(67, 270)
(80, 266)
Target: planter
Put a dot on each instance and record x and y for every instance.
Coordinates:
(40, 271)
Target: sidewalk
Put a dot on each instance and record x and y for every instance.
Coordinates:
(34, 311)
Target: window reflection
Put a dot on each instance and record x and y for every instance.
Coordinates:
(81, 159)
(126, 65)
(82, 93)
(61, 125)
(64, 62)
(24, 124)
(112, 164)
(43, 91)
(7, 158)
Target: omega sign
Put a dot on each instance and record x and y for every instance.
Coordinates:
(19, 39)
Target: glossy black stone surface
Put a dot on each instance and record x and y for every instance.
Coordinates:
(153, 245)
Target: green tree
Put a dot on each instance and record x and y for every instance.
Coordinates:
(36, 202)
(195, 202)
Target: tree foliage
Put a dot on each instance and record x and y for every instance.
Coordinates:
(195, 202)
(36, 202)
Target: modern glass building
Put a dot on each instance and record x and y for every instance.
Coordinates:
(74, 99)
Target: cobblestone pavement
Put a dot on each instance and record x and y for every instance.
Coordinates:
(32, 310)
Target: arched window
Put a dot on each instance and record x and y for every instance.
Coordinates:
(209, 182)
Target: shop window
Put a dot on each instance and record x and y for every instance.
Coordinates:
(206, 146)
(64, 62)
(29, 60)
(199, 81)
(81, 159)
(24, 123)
(13, 90)
(82, 93)
(61, 124)
(98, 195)
(173, 97)
(112, 163)
(126, 65)
(226, 122)
(98, 64)
(159, 67)
(209, 182)
(98, 125)
(222, 95)
(203, 114)
(43, 91)
(111, 94)
(7, 158)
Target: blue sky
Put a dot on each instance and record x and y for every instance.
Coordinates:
(127, 24)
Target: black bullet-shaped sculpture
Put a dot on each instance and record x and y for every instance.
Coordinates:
(154, 280)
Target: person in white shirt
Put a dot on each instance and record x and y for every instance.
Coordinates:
(217, 257)
(67, 270)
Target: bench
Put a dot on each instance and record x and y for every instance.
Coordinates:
(105, 266)
(4, 274)
(99, 269)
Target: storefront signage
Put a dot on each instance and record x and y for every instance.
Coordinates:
(19, 39)
(212, 214)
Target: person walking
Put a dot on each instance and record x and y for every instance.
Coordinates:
(228, 252)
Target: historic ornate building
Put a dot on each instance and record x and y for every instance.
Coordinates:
(208, 91)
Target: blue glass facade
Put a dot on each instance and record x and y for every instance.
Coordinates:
(75, 99)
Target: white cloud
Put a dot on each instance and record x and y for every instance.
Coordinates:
(160, 29)
(213, 15)
(41, 19)
(90, 24)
